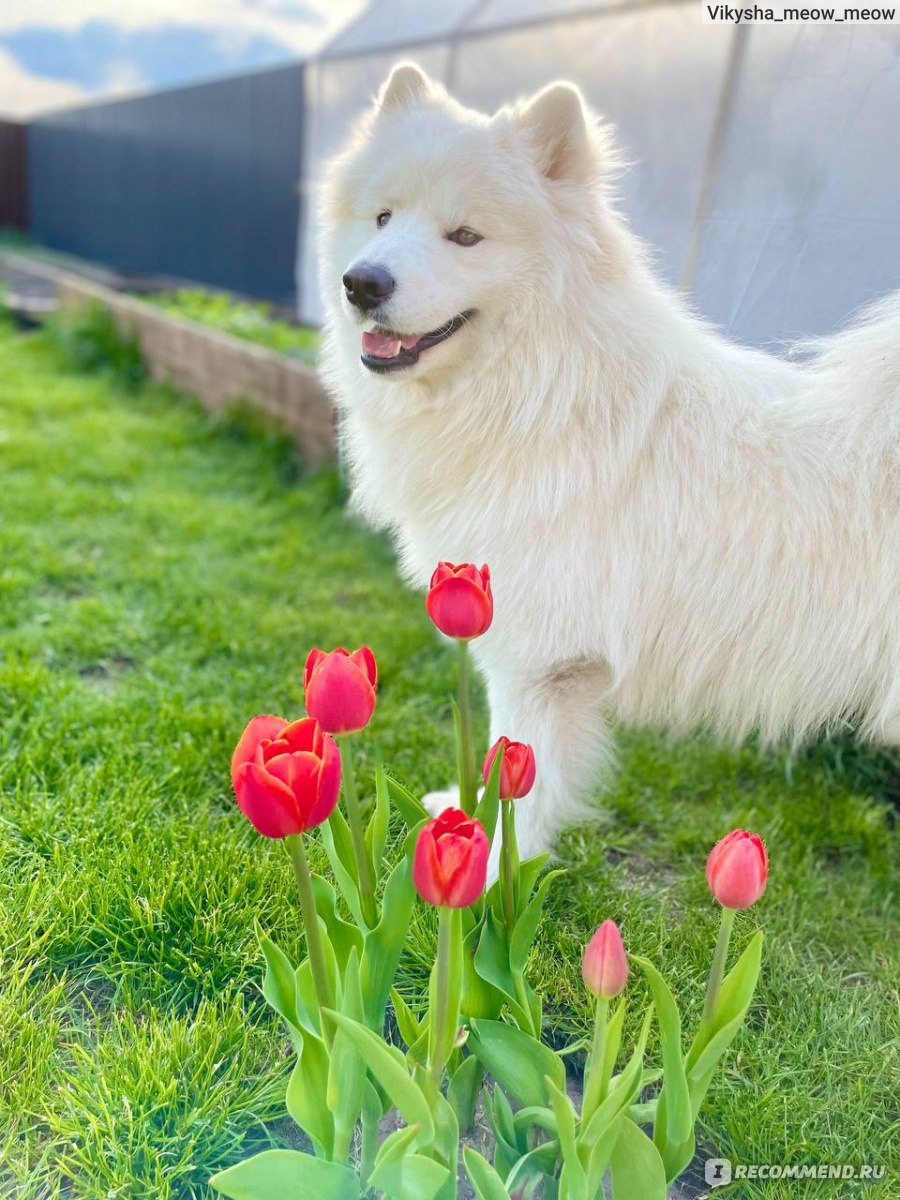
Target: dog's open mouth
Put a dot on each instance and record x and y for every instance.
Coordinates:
(386, 350)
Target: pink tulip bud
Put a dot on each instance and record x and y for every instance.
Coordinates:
(340, 688)
(737, 869)
(459, 600)
(517, 770)
(604, 967)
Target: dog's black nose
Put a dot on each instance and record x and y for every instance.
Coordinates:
(367, 286)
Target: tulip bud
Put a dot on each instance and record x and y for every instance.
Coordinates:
(286, 778)
(737, 869)
(516, 771)
(604, 967)
(450, 862)
(459, 600)
(340, 688)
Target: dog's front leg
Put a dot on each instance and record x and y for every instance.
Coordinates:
(560, 714)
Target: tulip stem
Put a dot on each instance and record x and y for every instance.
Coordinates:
(361, 853)
(442, 1012)
(595, 1074)
(321, 983)
(717, 970)
(467, 746)
(507, 856)
(369, 1145)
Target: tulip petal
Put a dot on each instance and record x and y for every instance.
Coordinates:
(427, 869)
(365, 660)
(266, 802)
(259, 729)
(313, 659)
(301, 736)
(329, 782)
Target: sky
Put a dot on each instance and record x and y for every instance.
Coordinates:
(60, 52)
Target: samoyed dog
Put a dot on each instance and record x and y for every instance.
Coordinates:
(681, 531)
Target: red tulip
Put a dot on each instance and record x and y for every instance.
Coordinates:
(516, 770)
(286, 777)
(450, 863)
(604, 967)
(737, 869)
(340, 688)
(459, 600)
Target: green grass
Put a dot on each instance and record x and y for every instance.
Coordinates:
(162, 575)
(252, 321)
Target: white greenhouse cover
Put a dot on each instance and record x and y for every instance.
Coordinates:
(766, 158)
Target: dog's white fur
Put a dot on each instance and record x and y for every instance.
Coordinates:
(680, 530)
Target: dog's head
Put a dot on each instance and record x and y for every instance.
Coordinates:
(443, 225)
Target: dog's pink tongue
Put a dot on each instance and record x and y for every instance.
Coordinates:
(380, 345)
(386, 345)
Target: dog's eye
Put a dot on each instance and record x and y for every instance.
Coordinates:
(383, 217)
(464, 236)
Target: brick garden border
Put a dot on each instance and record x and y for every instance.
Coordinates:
(218, 369)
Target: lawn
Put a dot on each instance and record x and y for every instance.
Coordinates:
(162, 575)
(254, 322)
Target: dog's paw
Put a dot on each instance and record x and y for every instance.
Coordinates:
(436, 802)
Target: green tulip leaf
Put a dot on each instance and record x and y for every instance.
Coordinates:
(644, 1114)
(713, 1051)
(530, 871)
(491, 960)
(411, 809)
(479, 998)
(734, 998)
(280, 986)
(738, 986)
(346, 1071)
(507, 1148)
(407, 1022)
(674, 1119)
(306, 1090)
(388, 1066)
(397, 1144)
(307, 1000)
(573, 1179)
(341, 934)
(289, 1175)
(539, 1163)
(338, 842)
(526, 927)
(516, 1060)
(377, 831)
(488, 808)
(462, 1090)
(622, 1091)
(611, 1045)
(534, 1117)
(502, 1118)
(636, 1168)
(413, 1177)
(487, 1183)
(384, 944)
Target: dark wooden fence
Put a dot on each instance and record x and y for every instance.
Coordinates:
(13, 198)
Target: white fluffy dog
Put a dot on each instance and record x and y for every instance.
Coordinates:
(680, 530)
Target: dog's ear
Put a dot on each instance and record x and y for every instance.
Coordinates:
(557, 125)
(406, 86)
